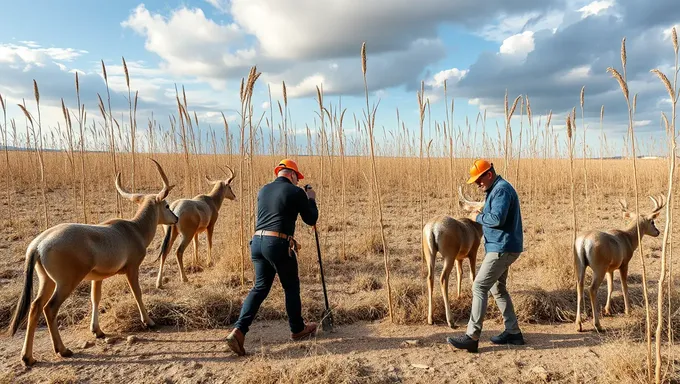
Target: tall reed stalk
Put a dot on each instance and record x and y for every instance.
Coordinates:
(421, 110)
(621, 79)
(370, 121)
(508, 131)
(585, 164)
(8, 170)
(39, 149)
(670, 131)
(82, 116)
(571, 140)
(119, 203)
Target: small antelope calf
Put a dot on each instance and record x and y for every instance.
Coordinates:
(605, 252)
(69, 253)
(196, 215)
(455, 240)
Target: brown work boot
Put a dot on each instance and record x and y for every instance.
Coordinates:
(235, 342)
(310, 330)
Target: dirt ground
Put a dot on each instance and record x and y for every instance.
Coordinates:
(358, 351)
(378, 352)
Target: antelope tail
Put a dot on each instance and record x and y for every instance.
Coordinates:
(25, 300)
(166, 241)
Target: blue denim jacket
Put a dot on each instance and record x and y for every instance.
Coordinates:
(501, 219)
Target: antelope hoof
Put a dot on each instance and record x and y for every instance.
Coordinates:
(599, 328)
(99, 334)
(185, 279)
(66, 353)
(579, 327)
(151, 325)
(429, 321)
(607, 312)
(210, 264)
(452, 325)
(28, 361)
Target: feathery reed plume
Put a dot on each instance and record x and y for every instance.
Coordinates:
(370, 121)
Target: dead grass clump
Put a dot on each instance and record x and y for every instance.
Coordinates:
(370, 244)
(319, 370)
(538, 305)
(366, 282)
(623, 362)
(201, 308)
(411, 299)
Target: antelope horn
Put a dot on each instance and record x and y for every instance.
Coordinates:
(624, 205)
(166, 185)
(656, 203)
(125, 194)
(231, 176)
(465, 200)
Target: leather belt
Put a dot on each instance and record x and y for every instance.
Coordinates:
(262, 232)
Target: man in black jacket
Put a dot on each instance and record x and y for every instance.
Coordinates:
(274, 250)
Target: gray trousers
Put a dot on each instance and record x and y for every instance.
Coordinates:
(492, 276)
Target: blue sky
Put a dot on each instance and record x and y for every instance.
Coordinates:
(544, 49)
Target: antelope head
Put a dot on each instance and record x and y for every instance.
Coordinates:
(165, 215)
(225, 184)
(647, 225)
(472, 207)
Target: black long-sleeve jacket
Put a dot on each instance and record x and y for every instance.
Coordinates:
(279, 203)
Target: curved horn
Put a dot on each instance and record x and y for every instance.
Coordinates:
(624, 205)
(465, 200)
(656, 203)
(229, 177)
(659, 202)
(135, 197)
(166, 185)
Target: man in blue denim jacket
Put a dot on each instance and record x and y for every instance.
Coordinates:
(501, 222)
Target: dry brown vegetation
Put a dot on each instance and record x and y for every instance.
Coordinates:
(363, 234)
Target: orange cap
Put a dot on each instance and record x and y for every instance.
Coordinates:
(288, 164)
(478, 168)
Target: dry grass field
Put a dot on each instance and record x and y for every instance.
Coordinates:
(362, 233)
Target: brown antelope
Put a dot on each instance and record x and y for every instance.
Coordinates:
(455, 240)
(196, 215)
(605, 252)
(69, 253)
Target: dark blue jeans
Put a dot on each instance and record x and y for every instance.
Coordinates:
(270, 256)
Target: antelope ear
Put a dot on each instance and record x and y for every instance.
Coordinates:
(654, 215)
(627, 215)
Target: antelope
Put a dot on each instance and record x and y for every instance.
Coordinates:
(605, 252)
(455, 240)
(196, 215)
(68, 253)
